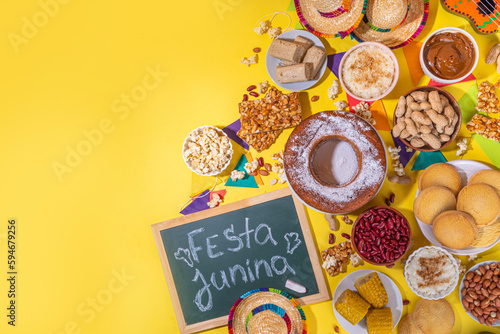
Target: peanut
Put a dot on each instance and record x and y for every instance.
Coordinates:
(414, 106)
(404, 134)
(432, 140)
(438, 119)
(425, 129)
(411, 127)
(435, 101)
(425, 106)
(419, 96)
(444, 138)
(419, 117)
(396, 130)
(493, 54)
(400, 109)
(417, 142)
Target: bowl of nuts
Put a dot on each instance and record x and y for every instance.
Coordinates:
(207, 151)
(381, 235)
(427, 119)
(480, 293)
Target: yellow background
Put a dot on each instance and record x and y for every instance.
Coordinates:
(76, 231)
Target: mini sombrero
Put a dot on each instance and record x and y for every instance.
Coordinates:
(394, 23)
(269, 311)
(330, 18)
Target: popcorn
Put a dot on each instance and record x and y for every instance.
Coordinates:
(409, 149)
(251, 167)
(274, 32)
(333, 91)
(461, 268)
(263, 27)
(237, 175)
(471, 257)
(263, 87)
(340, 105)
(362, 110)
(278, 156)
(207, 150)
(462, 144)
(215, 200)
(398, 166)
(355, 260)
(250, 61)
(347, 220)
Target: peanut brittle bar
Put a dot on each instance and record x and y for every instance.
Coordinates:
(484, 126)
(261, 141)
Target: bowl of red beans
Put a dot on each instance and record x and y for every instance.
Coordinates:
(381, 235)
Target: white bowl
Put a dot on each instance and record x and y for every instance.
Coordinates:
(441, 80)
(444, 293)
(473, 269)
(384, 49)
(185, 147)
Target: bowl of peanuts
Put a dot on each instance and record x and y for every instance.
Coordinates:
(480, 293)
(427, 119)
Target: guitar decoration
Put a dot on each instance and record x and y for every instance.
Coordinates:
(483, 14)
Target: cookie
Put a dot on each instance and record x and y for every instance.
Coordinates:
(432, 201)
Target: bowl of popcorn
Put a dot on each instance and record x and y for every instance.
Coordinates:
(207, 151)
(427, 119)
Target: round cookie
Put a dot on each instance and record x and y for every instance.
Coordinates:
(434, 316)
(432, 201)
(455, 229)
(480, 201)
(408, 326)
(488, 176)
(440, 174)
(486, 235)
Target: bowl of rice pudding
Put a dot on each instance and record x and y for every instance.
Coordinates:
(431, 272)
(368, 71)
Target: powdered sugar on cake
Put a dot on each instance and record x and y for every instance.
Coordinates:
(323, 126)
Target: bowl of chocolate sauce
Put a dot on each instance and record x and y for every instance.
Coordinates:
(449, 55)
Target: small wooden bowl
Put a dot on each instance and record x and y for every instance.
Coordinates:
(455, 106)
(355, 239)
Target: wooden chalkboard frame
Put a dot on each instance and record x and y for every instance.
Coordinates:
(322, 295)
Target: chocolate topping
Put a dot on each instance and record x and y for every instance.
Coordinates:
(449, 55)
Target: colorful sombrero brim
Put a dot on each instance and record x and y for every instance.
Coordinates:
(339, 26)
(262, 308)
(402, 35)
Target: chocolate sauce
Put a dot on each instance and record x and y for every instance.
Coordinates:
(449, 55)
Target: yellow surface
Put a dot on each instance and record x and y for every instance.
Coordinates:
(84, 222)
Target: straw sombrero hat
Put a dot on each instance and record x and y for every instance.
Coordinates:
(394, 23)
(266, 311)
(330, 18)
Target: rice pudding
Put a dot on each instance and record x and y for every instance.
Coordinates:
(431, 272)
(368, 71)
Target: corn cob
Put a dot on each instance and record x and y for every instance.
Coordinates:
(352, 306)
(370, 287)
(379, 321)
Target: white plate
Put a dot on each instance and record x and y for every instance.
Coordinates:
(466, 168)
(444, 293)
(395, 300)
(272, 62)
(473, 269)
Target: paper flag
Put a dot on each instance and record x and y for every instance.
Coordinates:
(490, 147)
(291, 6)
(333, 62)
(198, 204)
(412, 54)
(231, 131)
(438, 84)
(200, 183)
(380, 116)
(404, 156)
(425, 159)
(248, 181)
(468, 104)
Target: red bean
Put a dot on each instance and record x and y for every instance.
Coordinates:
(392, 197)
(261, 161)
(347, 236)
(250, 88)
(387, 202)
(245, 97)
(406, 302)
(254, 94)
(331, 239)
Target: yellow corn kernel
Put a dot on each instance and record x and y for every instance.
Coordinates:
(379, 321)
(352, 306)
(370, 287)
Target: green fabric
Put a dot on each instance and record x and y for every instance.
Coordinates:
(248, 181)
(490, 147)
(425, 159)
(468, 104)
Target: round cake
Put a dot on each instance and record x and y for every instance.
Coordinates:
(335, 162)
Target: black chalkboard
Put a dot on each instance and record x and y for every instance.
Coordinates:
(214, 256)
